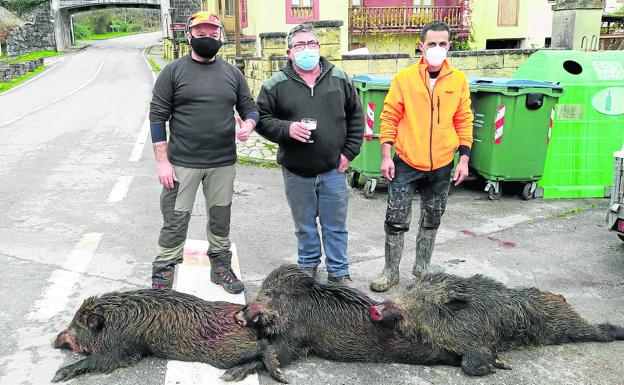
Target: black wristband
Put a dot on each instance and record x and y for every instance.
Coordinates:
(159, 132)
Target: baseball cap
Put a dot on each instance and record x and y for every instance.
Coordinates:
(204, 17)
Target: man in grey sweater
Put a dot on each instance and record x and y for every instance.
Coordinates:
(196, 95)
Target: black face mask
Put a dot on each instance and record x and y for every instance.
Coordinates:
(205, 47)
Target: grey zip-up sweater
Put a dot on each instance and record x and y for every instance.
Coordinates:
(333, 101)
(198, 99)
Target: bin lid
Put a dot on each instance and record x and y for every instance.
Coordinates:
(574, 67)
(364, 82)
(510, 86)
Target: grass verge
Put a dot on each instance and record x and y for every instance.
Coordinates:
(249, 161)
(32, 56)
(109, 35)
(153, 64)
(16, 81)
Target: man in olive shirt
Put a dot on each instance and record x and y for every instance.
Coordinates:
(196, 95)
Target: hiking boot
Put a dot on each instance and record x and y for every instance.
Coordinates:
(311, 271)
(392, 255)
(342, 280)
(228, 280)
(162, 275)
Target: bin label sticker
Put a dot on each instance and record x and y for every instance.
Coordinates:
(498, 124)
(609, 101)
(550, 121)
(569, 111)
(608, 70)
(370, 121)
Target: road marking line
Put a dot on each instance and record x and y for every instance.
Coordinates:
(193, 277)
(137, 151)
(62, 281)
(119, 191)
(58, 99)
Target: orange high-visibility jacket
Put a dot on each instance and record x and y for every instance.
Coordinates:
(427, 127)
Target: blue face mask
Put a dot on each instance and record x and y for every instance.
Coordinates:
(307, 59)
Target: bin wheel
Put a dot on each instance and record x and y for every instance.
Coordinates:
(355, 179)
(369, 188)
(528, 192)
(492, 194)
(621, 237)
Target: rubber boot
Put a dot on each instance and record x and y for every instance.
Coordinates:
(162, 274)
(425, 240)
(390, 275)
(222, 274)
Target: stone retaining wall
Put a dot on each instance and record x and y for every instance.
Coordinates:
(11, 71)
(37, 34)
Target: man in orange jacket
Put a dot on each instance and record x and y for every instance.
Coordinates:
(427, 118)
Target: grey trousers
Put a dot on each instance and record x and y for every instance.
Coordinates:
(176, 206)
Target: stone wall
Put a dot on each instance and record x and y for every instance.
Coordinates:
(248, 49)
(492, 63)
(36, 34)
(11, 71)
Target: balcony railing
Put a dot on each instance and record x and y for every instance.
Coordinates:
(302, 12)
(401, 19)
(612, 42)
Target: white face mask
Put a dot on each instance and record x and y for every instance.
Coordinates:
(435, 55)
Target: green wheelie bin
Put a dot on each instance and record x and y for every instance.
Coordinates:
(372, 91)
(511, 131)
(589, 119)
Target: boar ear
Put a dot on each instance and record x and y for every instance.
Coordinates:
(456, 302)
(95, 322)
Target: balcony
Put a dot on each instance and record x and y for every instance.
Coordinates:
(363, 20)
(302, 12)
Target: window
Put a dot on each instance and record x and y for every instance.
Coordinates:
(508, 13)
(298, 11)
(503, 44)
(547, 42)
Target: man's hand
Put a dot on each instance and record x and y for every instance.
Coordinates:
(166, 174)
(299, 131)
(387, 168)
(387, 164)
(344, 163)
(245, 128)
(461, 171)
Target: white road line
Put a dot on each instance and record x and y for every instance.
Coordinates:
(59, 99)
(119, 191)
(193, 277)
(62, 281)
(33, 361)
(137, 151)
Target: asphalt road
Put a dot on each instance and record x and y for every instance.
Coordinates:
(80, 216)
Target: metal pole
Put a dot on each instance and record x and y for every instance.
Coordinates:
(240, 64)
(237, 27)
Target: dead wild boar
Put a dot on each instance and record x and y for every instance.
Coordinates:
(477, 317)
(301, 316)
(120, 328)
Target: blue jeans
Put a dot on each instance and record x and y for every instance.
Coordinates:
(325, 196)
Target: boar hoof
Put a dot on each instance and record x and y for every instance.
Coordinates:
(64, 374)
(237, 373)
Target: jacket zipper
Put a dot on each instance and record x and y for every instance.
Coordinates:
(311, 87)
(438, 109)
(431, 120)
